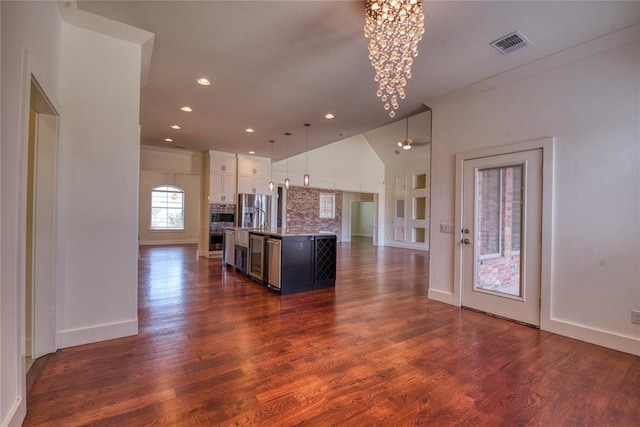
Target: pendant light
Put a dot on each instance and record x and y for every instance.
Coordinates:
(272, 185)
(287, 181)
(306, 158)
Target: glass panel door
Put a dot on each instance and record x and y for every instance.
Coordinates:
(500, 244)
(498, 221)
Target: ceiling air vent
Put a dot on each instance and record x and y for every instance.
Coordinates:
(510, 43)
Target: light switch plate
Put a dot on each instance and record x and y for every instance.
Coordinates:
(635, 316)
(446, 228)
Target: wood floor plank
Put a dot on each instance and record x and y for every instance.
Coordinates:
(215, 348)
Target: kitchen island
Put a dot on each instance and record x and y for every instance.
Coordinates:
(285, 261)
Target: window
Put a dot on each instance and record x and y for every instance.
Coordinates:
(516, 208)
(327, 205)
(167, 208)
(489, 206)
(499, 210)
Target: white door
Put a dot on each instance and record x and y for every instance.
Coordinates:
(501, 235)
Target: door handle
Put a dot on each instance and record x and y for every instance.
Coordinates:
(466, 241)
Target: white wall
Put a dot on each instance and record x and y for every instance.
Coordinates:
(592, 107)
(35, 27)
(98, 191)
(170, 160)
(170, 167)
(362, 219)
(348, 165)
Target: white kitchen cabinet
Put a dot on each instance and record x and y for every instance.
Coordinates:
(222, 177)
(253, 174)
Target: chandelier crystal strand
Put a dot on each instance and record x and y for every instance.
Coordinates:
(394, 28)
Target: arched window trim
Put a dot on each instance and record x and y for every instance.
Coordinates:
(167, 208)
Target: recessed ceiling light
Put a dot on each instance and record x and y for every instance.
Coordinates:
(252, 152)
(249, 130)
(176, 127)
(186, 109)
(204, 82)
(329, 116)
(168, 140)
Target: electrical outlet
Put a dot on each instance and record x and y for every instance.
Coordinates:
(446, 228)
(635, 316)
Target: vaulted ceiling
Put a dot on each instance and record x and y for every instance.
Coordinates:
(275, 65)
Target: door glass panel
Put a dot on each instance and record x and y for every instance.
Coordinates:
(498, 230)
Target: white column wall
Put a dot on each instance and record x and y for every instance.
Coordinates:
(98, 188)
(592, 107)
(31, 31)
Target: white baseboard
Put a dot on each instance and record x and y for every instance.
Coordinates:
(210, 254)
(420, 247)
(440, 296)
(73, 337)
(568, 329)
(16, 414)
(591, 335)
(167, 242)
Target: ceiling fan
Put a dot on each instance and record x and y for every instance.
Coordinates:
(408, 142)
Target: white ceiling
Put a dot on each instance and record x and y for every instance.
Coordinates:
(275, 65)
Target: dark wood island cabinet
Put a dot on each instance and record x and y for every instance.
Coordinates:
(290, 262)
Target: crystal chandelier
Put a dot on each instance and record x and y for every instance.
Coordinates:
(394, 28)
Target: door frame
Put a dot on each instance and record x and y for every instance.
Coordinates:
(547, 145)
(44, 303)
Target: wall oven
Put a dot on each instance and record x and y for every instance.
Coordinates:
(220, 217)
(216, 240)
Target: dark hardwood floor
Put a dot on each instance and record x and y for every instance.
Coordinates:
(215, 348)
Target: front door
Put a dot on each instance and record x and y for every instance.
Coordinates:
(501, 235)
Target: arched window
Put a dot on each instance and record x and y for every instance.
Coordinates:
(167, 208)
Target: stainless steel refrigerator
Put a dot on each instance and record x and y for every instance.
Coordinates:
(254, 210)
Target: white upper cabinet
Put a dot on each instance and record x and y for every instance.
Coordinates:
(222, 162)
(222, 177)
(253, 174)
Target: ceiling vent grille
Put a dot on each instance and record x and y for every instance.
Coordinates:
(510, 43)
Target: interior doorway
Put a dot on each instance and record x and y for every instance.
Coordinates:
(40, 236)
(362, 219)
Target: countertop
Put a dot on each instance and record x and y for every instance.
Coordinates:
(279, 232)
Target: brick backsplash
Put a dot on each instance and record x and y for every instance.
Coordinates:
(303, 206)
